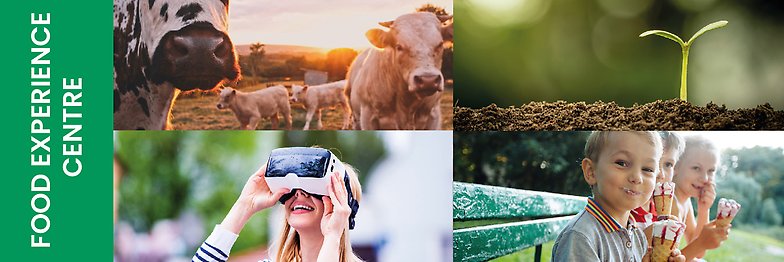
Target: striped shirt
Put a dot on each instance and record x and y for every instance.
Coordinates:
(217, 246)
(593, 235)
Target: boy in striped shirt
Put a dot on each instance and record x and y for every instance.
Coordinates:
(620, 168)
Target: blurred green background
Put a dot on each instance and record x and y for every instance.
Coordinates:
(512, 52)
(550, 161)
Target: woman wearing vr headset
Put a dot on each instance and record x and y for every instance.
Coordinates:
(316, 227)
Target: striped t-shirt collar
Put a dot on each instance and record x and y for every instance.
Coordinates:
(608, 223)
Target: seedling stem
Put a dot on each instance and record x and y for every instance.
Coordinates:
(684, 47)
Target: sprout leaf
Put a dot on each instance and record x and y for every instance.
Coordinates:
(707, 28)
(664, 34)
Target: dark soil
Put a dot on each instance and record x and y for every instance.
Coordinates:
(673, 114)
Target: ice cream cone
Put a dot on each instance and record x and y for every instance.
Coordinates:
(666, 236)
(661, 249)
(662, 198)
(724, 221)
(727, 210)
(663, 205)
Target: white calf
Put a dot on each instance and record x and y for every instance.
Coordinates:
(317, 97)
(251, 107)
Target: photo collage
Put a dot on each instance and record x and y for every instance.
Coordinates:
(533, 130)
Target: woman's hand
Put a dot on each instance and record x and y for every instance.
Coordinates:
(255, 196)
(335, 219)
(336, 209)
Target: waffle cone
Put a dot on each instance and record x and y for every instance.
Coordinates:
(661, 251)
(663, 205)
(724, 221)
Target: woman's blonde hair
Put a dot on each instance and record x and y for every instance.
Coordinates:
(288, 243)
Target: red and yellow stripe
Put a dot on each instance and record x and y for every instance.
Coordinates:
(609, 224)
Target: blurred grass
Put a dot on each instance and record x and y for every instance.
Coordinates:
(741, 246)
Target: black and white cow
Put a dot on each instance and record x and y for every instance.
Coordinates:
(162, 47)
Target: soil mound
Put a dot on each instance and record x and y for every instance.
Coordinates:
(674, 114)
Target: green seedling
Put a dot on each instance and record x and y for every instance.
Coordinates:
(685, 47)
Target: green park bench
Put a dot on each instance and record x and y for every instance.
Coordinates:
(502, 220)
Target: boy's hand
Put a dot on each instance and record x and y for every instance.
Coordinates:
(647, 256)
(712, 236)
(676, 256)
(707, 196)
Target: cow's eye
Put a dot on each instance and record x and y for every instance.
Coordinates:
(399, 47)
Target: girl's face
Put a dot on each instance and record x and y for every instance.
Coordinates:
(304, 211)
(695, 170)
(667, 165)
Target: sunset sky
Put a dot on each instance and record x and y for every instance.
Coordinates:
(319, 23)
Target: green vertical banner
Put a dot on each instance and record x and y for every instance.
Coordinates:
(57, 188)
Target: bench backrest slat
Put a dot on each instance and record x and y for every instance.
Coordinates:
(472, 202)
(488, 242)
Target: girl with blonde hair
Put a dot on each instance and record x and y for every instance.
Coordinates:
(316, 228)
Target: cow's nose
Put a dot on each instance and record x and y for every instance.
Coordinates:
(427, 81)
(199, 48)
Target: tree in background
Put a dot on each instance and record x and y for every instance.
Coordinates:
(769, 214)
(294, 66)
(256, 54)
(542, 161)
(751, 176)
(168, 173)
(338, 61)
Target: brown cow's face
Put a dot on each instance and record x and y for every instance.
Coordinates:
(417, 41)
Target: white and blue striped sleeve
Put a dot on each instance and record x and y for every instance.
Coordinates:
(217, 246)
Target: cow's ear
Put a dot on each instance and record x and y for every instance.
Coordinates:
(380, 38)
(444, 18)
(305, 87)
(233, 92)
(447, 31)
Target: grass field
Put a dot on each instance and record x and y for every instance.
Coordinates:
(198, 112)
(741, 246)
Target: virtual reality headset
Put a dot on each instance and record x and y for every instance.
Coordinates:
(307, 169)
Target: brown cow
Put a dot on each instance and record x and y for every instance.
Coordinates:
(398, 85)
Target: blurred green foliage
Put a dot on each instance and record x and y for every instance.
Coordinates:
(167, 173)
(755, 178)
(517, 51)
(542, 161)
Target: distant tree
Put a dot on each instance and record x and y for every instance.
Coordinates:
(741, 188)
(769, 214)
(256, 54)
(542, 161)
(764, 165)
(294, 65)
(338, 61)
